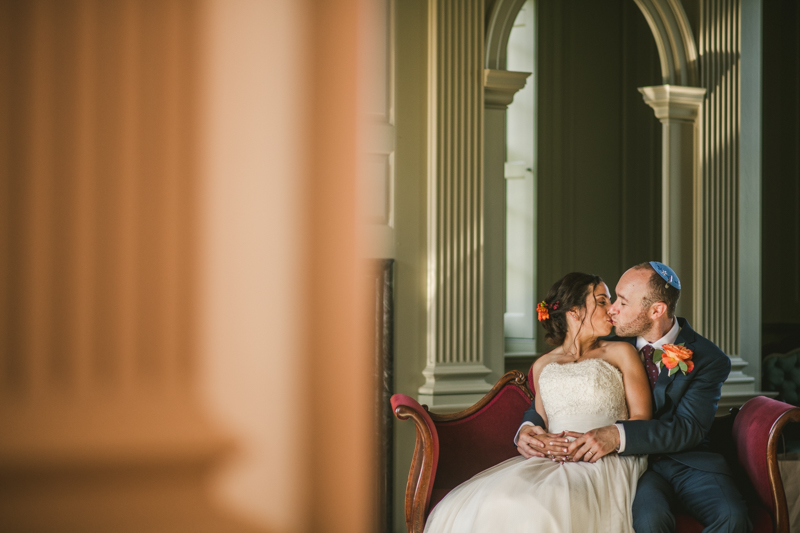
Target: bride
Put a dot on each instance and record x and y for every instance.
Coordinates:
(584, 383)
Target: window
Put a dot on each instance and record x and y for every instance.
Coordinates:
(520, 172)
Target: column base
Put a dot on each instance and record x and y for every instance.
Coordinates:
(738, 388)
(451, 387)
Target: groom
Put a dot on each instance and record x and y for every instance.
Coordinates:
(682, 471)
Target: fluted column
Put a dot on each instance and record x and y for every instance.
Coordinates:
(455, 374)
(707, 218)
(719, 72)
(718, 279)
(677, 108)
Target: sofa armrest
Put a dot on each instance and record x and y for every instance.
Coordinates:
(756, 432)
(423, 464)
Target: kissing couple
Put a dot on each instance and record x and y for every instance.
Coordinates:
(616, 439)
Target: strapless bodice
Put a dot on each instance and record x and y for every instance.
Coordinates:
(582, 396)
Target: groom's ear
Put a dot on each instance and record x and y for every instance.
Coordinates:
(657, 310)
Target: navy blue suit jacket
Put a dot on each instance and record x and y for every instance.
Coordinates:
(684, 407)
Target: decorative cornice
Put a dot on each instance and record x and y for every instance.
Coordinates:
(500, 86)
(674, 102)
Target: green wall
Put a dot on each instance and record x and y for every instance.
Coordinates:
(781, 175)
(410, 199)
(599, 197)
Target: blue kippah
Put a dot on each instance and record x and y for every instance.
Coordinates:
(667, 273)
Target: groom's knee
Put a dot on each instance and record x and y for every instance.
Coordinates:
(651, 505)
(733, 519)
(653, 519)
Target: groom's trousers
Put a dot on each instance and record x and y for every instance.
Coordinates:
(668, 487)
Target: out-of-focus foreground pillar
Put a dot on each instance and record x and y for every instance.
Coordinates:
(179, 299)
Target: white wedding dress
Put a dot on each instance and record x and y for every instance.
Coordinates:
(539, 495)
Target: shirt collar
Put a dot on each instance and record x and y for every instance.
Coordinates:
(669, 338)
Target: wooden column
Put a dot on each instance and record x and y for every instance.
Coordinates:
(455, 375)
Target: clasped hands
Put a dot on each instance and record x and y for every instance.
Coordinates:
(534, 441)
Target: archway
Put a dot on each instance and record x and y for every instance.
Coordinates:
(667, 20)
(676, 104)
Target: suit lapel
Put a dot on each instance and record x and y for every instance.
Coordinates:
(685, 336)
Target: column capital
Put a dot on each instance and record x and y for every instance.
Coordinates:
(674, 102)
(500, 86)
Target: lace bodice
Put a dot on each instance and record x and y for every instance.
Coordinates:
(582, 396)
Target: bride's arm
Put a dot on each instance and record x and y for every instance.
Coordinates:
(534, 440)
(634, 378)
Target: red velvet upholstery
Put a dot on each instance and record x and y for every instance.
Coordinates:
(751, 431)
(479, 441)
(530, 380)
(685, 524)
(761, 519)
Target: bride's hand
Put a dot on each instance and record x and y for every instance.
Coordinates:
(534, 441)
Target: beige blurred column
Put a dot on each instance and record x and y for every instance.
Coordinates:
(100, 427)
(455, 375)
(180, 290)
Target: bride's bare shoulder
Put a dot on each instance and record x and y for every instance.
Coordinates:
(620, 351)
(544, 360)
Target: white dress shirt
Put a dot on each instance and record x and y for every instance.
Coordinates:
(641, 342)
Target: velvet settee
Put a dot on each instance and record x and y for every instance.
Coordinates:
(452, 448)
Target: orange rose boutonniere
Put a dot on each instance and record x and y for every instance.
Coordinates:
(675, 357)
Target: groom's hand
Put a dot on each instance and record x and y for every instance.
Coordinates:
(534, 441)
(594, 444)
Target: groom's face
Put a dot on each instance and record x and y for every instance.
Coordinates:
(628, 314)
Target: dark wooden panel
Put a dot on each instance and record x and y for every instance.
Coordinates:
(383, 349)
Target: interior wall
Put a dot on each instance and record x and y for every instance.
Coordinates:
(410, 196)
(599, 170)
(780, 243)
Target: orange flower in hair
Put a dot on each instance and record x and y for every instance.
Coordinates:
(543, 311)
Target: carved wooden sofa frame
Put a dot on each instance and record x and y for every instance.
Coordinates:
(454, 447)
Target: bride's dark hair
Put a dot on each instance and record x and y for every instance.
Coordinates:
(566, 294)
